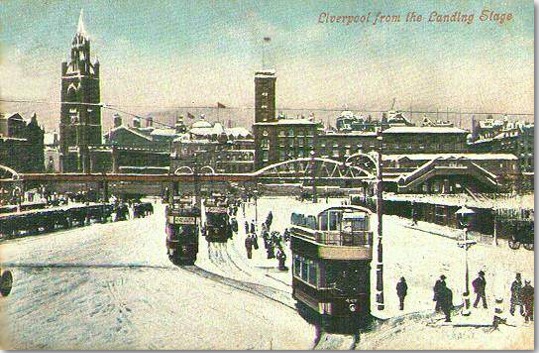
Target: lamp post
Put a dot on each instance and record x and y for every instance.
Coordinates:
(379, 213)
(255, 197)
(464, 216)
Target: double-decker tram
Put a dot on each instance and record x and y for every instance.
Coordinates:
(332, 252)
(217, 227)
(182, 228)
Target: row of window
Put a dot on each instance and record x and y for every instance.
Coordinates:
(305, 269)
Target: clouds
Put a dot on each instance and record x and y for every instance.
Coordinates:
(187, 53)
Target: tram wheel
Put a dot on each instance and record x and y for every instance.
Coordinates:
(528, 246)
(6, 283)
(514, 244)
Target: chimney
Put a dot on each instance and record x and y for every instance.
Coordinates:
(117, 120)
(149, 121)
(136, 123)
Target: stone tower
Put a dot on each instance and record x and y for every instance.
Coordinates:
(265, 96)
(80, 117)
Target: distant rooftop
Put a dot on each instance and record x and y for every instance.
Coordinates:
(424, 130)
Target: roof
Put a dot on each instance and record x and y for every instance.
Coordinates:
(424, 130)
(201, 124)
(287, 122)
(431, 156)
(163, 132)
(237, 131)
(133, 131)
(316, 209)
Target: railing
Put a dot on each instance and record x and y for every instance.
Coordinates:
(343, 238)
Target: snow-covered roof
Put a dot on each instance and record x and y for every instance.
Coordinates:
(201, 124)
(287, 122)
(237, 131)
(133, 131)
(424, 130)
(265, 73)
(431, 156)
(163, 132)
(182, 137)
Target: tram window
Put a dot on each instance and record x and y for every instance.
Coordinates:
(297, 265)
(311, 222)
(304, 272)
(334, 220)
(312, 272)
(323, 221)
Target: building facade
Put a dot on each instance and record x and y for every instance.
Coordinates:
(21, 143)
(212, 148)
(80, 116)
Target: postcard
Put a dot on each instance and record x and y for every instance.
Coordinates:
(247, 175)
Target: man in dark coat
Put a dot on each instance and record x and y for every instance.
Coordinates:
(526, 296)
(437, 287)
(516, 288)
(249, 246)
(445, 297)
(479, 284)
(402, 290)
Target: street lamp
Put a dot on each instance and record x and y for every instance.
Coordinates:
(465, 216)
(379, 213)
(255, 197)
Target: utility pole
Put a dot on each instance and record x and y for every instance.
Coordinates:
(379, 212)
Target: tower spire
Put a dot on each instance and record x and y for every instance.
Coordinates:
(80, 28)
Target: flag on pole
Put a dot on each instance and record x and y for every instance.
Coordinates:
(190, 116)
(220, 105)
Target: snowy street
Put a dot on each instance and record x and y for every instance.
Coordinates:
(111, 286)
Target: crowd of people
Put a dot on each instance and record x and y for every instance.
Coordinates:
(273, 241)
(521, 296)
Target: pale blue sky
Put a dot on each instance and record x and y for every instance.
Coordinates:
(176, 53)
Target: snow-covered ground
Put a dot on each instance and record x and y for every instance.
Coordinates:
(111, 286)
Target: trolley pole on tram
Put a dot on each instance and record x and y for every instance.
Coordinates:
(379, 213)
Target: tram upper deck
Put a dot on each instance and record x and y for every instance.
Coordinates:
(337, 232)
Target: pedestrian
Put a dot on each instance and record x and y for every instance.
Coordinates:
(249, 246)
(281, 257)
(445, 297)
(516, 288)
(479, 284)
(437, 287)
(526, 296)
(246, 227)
(271, 250)
(255, 241)
(269, 219)
(402, 290)
(253, 228)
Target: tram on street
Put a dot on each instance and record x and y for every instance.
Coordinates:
(331, 257)
(182, 229)
(217, 225)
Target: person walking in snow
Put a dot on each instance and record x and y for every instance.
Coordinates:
(516, 288)
(249, 246)
(281, 257)
(402, 289)
(479, 284)
(526, 296)
(445, 297)
(437, 287)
